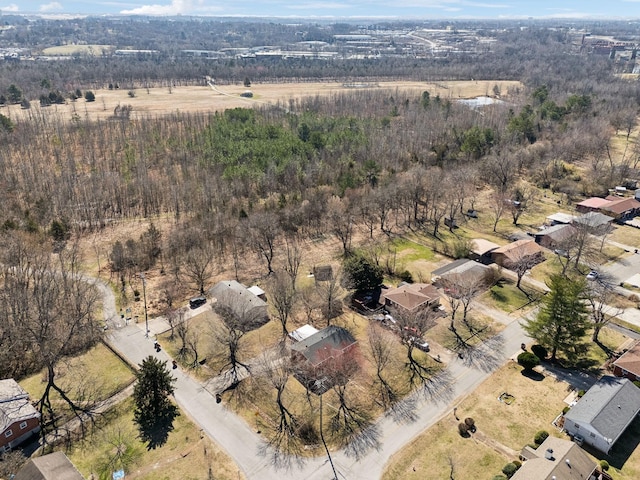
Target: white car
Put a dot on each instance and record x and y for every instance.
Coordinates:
(420, 344)
(592, 275)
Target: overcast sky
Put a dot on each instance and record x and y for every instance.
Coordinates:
(424, 9)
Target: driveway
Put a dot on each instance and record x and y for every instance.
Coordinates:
(624, 268)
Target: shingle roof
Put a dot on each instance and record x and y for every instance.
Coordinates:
(55, 466)
(325, 344)
(608, 406)
(557, 233)
(481, 246)
(621, 206)
(413, 295)
(593, 202)
(14, 404)
(579, 465)
(593, 219)
(630, 360)
(238, 298)
(518, 249)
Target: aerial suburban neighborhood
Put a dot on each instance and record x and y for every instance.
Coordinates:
(242, 248)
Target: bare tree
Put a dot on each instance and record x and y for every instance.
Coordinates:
(263, 233)
(331, 295)
(599, 295)
(498, 206)
(381, 353)
(293, 260)
(282, 297)
(198, 265)
(341, 222)
(412, 327)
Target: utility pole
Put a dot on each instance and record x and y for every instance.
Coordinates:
(144, 296)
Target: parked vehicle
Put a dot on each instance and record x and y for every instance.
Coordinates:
(197, 302)
(420, 344)
(593, 275)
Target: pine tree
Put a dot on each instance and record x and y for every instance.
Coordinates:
(154, 412)
(562, 322)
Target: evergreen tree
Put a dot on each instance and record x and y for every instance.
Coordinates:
(562, 322)
(154, 412)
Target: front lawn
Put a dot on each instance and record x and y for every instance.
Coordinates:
(505, 296)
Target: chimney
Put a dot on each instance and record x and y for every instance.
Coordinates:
(548, 454)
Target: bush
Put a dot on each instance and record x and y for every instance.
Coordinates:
(406, 276)
(528, 360)
(463, 430)
(540, 436)
(509, 469)
(539, 351)
(566, 409)
(89, 96)
(470, 423)
(604, 465)
(517, 463)
(499, 477)
(581, 393)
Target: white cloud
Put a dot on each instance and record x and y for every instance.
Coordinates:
(319, 6)
(50, 7)
(12, 7)
(174, 8)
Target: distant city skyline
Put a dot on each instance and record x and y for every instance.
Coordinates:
(330, 9)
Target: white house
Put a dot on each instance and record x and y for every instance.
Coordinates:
(603, 414)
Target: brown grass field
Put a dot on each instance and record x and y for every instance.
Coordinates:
(161, 101)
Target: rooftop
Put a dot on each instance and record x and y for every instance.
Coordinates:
(14, 404)
(556, 459)
(593, 202)
(630, 360)
(412, 295)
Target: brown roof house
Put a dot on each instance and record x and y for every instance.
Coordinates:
(325, 359)
(516, 251)
(481, 250)
(592, 204)
(552, 237)
(628, 364)
(603, 414)
(55, 466)
(621, 209)
(556, 459)
(249, 310)
(412, 297)
(19, 420)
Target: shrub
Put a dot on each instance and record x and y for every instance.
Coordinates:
(463, 430)
(406, 276)
(540, 436)
(581, 393)
(604, 465)
(499, 477)
(89, 96)
(528, 360)
(517, 463)
(470, 423)
(509, 469)
(636, 383)
(566, 409)
(539, 351)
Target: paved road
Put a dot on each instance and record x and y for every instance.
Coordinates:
(242, 444)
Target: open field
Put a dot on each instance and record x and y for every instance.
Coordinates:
(66, 50)
(162, 101)
(187, 453)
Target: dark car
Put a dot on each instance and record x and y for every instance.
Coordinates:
(197, 302)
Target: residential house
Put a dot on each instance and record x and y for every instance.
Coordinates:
(622, 209)
(560, 218)
(464, 270)
(628, 364)
(554, 236)
(249, 310)
(602, 415)
(411, 297)
(19, 420)
(593, 204)
(556, 459)
(481, 250)
(517, 251)
(319, 360)
(54, 466)
(595, 222)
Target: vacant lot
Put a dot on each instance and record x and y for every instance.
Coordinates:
(162, 101)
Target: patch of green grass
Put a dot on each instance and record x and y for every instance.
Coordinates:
(98, 371)
(505, 296)
(409, 251)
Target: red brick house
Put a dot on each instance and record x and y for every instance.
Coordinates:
(19, 420)
(628, 364)
(325, 359)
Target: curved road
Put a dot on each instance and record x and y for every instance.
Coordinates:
(243, 444)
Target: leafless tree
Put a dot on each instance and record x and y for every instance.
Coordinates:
(498, 204)
(599, 297)
(263, 233)
(282, 297)
(293, 260)
(412, 327)
(341, 222)
(381, 353)
(198, 264)
(331, 295)
(522, 199)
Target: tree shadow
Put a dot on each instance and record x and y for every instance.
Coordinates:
(533, 375)
(623, 448)
(154, 431)
(485, 356)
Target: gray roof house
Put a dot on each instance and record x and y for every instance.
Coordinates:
(247, 308)
(55, 466)
(555, 459)
(603, 414)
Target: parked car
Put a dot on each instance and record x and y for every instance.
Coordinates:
(420, 344)
(592, 275)
(197, 302)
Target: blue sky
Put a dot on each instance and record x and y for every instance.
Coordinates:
(338, 8)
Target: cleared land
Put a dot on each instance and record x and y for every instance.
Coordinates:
(163, 101)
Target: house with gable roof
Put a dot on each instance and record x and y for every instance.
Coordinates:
(247, 308)
(556, 459)
(603, 413)
(19, 420)
(627, 365)
(54, 466)
(411, 297)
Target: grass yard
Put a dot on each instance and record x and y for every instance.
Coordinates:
(98, 372)
(66, 50)
(483, 328)
(186, 455)
(626, 235)
(507, 297)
